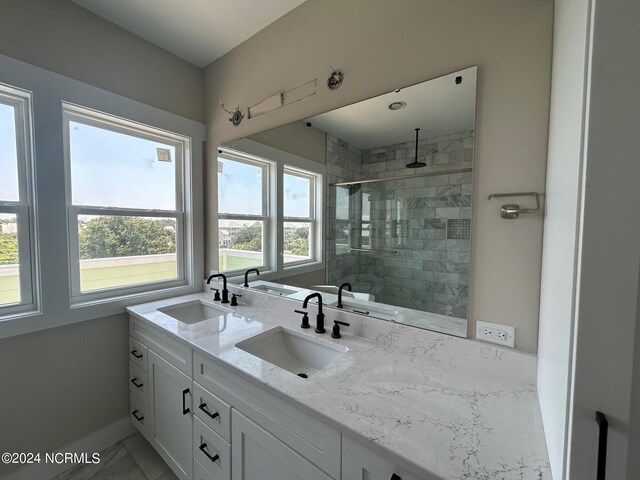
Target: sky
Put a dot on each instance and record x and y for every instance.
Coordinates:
(110, 169)
(8, 155)
(240, 190)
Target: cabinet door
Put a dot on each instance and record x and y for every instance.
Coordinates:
(358, 463)
(170, 412)
(258, 455)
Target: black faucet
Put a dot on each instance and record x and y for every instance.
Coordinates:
(225, 292)
(320, 316)
(246, 275)
(348, 286)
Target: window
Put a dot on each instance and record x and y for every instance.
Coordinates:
(342, 233)
(249, 225)
(299, 212)
(243, 220)
(18, 291)
(126, 210)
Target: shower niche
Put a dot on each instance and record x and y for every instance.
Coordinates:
(397, 198)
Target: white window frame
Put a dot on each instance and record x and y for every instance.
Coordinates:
(87, 116)
(311, 219)
(24, 208)
(273, 196)
(268, 173)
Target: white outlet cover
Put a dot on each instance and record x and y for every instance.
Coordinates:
(495, 329)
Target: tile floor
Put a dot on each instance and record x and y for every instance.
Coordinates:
(131, 459)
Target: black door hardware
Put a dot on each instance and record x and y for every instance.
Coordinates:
(603, 425)
(203, 449)
(135, 383)
(203, 407)
(185, 409)
(135, 415)
(136, 354)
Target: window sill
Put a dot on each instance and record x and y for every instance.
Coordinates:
(23, 323)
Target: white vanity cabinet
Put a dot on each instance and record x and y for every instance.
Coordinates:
(171, 431)
(359, 463)
(209, 423)
(258, 455)
(162, 407)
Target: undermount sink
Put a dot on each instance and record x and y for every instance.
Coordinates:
(292, 351)
(191, 312)
(365, 308)
(270, 289)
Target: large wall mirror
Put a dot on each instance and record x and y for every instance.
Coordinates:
(377, 194)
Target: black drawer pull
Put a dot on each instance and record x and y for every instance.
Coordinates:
(203, 407)
(603, 425)
(203, 449)
(135, 382)
(185, 409)
(136, 354)
(395, 476)
(135, 415)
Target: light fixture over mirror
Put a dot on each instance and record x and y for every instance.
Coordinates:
(391, 214)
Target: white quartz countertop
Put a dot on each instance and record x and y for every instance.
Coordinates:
(439, 406)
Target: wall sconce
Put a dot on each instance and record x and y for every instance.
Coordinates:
(236, 115)
(335, 79)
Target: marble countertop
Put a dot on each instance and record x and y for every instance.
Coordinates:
(431, 403)
(406, 316)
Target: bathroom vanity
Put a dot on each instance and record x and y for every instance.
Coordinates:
(217, 392)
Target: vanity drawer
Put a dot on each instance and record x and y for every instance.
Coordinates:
(211, 451)
(171, 350)
(138, 353)
(207, 405)
(304, 434)
(139, 415)
(201, 473)
(138, 382)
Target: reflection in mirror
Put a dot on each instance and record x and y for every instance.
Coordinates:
(399, 235)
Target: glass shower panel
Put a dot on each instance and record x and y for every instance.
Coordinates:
(409, 241)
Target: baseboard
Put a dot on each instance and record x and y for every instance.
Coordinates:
(94, 442)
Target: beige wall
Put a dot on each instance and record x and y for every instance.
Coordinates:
(296, 138)
(382, 45)
(62, 37)
(61, 384)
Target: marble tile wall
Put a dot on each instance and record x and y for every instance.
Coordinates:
(409, 215)
(344, 163)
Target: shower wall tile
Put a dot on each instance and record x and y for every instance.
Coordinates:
(408, 215)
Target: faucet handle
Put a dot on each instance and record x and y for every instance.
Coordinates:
(216, 296)
(335, 333)
(305, 318)
(234, 299)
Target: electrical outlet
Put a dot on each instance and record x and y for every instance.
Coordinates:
(496, 333)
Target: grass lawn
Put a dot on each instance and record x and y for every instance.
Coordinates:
(237, 263)
(98, 278)
(106, 277)
(9, 289)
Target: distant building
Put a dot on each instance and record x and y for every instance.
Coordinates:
(9, 228)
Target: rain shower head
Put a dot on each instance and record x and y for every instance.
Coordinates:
(416, 163)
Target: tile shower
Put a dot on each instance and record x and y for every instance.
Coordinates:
(417, 227)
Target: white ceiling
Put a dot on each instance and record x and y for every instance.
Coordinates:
(437, 107)
(199, 31)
